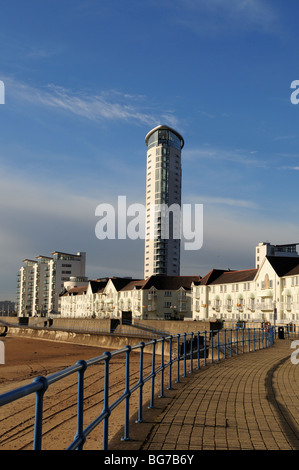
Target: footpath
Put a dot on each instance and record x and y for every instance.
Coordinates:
(246, 402)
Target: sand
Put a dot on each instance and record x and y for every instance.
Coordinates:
(26, 358)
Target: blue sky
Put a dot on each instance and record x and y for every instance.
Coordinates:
(84, 83)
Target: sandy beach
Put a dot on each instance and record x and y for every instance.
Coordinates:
(26, 358)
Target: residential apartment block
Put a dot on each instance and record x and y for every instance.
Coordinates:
(266, 249)
(163, 202)
(41, 281)
(269, 293)
(158, 297)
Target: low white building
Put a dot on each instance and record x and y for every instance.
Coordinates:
(266, 294)
(158, 297)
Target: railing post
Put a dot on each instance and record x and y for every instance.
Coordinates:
(198, 351)
(225, 343)
(212, 346)
(178, 359)
(127, 395)
(153, 375)
(218, 346)
(141, 383)
(106, 408)
(205, 348)
(185, 355)
(162, 369)
(170, 365)
(231, 342)
(248, 330)
(243, 339)
(37, 443)
(259, 330)
(191, 353)
(237, 341)
(80, 407)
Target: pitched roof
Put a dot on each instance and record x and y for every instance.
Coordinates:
(284, 265)
(134, 285)
(120, 282)
(211, 276)
(229, 277)
(75, 291)
(97, 285)
(170, 282)
(221, 276)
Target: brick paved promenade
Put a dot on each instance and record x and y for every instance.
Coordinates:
(247, 402)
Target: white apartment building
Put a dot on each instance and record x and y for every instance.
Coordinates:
(268, 293)
(41, 281)
(163, 191)
(266, 249)
(158, 297)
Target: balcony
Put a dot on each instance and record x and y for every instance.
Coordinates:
(265, 306)
(228, 307)
(152, 296)
(288, 305)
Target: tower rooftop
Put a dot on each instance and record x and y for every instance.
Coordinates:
(164, 127)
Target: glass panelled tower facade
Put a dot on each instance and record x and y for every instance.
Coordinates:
(163, 202)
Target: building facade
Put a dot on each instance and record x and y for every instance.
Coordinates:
(158, 297)
(269, 293)
(163, 202)
(267, 249)
(41, 281)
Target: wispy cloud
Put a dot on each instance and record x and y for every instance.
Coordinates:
(232, 155)
(220, 201)
(106, 105)
(212, 16)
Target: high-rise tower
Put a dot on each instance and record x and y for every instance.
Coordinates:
(163, 190)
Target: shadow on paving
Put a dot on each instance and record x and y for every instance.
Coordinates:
(140, 432)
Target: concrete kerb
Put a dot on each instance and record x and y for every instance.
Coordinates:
(118, 341)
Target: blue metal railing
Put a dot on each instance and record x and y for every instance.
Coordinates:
(199, 347)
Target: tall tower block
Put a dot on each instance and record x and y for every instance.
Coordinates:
(163, 187)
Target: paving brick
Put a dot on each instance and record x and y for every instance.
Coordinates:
(247, 402)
